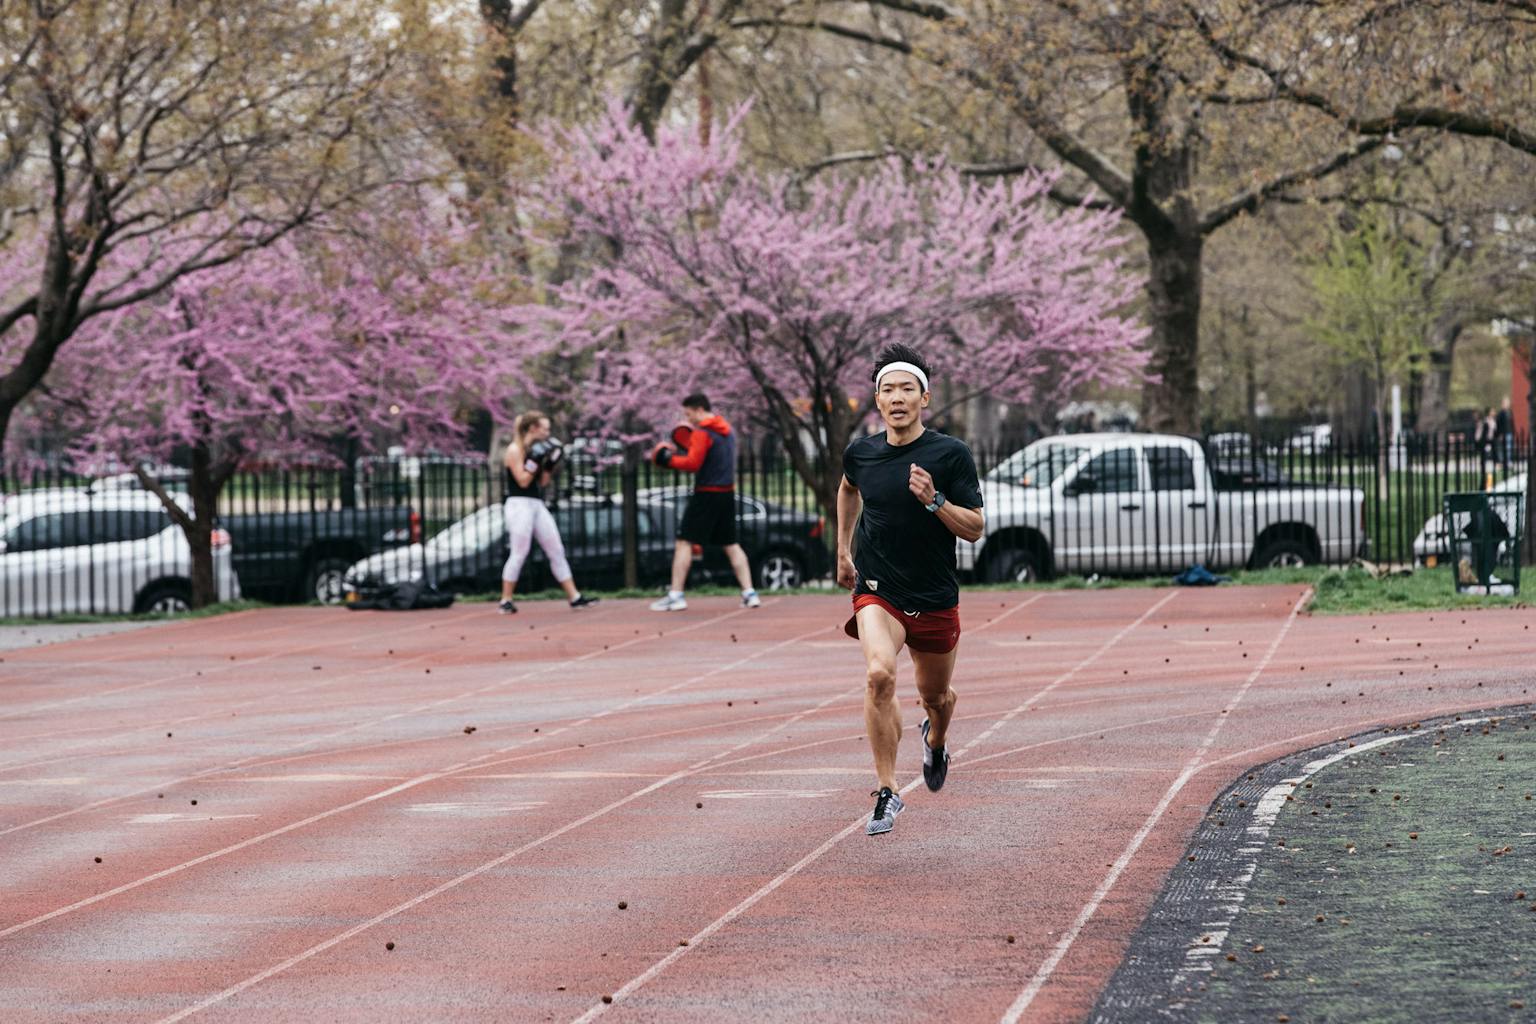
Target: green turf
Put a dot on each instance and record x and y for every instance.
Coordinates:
(1431, 928)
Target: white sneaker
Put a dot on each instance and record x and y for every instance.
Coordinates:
(751, 600)
(668, 603)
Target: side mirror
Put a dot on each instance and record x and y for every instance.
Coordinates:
(1085, 483)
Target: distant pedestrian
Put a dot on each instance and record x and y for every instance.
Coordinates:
(1504, 434)
(1485, 437)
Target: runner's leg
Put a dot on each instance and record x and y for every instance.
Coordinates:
(933, 672)
(881, 636)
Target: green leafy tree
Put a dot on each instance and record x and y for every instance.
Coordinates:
(1371, 307)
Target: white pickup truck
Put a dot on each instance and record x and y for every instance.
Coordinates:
(1145, 503)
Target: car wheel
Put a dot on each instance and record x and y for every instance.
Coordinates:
(325, 580)
(1284, 554)
(780, 570)
(165, 599)
(1013, 565)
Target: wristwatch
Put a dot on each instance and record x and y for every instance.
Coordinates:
(938, 499)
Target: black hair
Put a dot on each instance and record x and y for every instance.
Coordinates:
(899, 353)
(697, 400)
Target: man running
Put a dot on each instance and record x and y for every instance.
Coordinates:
(919, 491)
(710, 518)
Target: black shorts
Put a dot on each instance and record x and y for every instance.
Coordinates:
(710, 518)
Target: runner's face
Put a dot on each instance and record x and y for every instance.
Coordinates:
(900, 399)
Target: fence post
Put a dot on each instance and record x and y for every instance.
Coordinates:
(629, 486)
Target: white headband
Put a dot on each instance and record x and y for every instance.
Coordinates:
(922, 378)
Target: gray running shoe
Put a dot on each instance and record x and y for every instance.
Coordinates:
(887, 806)
(935, 763)
(668, 603)
(507, 607)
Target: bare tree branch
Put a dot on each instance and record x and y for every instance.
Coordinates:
(1251, 199)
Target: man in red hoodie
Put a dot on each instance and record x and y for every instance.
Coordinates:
(711, 514)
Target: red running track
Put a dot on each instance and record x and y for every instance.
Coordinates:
(341, 805)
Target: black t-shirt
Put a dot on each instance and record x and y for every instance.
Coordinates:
(903, 552)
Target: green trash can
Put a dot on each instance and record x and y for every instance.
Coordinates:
(1484, 531)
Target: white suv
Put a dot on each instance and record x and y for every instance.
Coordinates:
(74, 552)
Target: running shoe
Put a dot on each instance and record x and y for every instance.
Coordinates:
(935, 763)
(669, 604)
(583, 601)
(751, 600)
(887, 806)
(507, 607)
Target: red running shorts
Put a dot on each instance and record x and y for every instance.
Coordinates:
(929, 632)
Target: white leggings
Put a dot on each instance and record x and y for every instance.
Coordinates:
(527, 519)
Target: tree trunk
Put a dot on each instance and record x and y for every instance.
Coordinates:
(1383, 438)
(1529, 341)
(204, 489)
(351, 448)
(1435, 384)
(1171, 400)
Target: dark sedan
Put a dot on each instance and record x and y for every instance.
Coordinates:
(784, 547)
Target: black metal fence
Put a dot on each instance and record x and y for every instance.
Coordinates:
(1073, 504)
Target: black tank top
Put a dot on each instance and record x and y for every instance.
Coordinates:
(516, 490)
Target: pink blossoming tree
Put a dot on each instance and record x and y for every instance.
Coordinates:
(775, 294)
(277, 356)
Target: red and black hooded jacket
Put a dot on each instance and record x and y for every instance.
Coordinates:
(711, 454)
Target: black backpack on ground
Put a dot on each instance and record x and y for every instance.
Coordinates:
(407, 596)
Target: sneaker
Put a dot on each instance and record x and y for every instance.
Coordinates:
(669, 604)
(887, 806)
(935, 763)
(583, 601)
(507, 607)
(751, 600)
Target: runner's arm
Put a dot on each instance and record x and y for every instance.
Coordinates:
(848, 505)
(965, 523)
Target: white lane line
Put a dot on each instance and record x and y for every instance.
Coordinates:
(160, 819)
(221, 667)
(655, 970)
(415, 901)
(1198, 956)
(321, 816)
(213, 670)
(1046, 969)
(275, 757)
(1099, 652)
(769, 794)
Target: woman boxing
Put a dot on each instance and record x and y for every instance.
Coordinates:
(529, 465)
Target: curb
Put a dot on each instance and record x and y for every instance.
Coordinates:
(1182, 938)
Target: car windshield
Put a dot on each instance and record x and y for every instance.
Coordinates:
(470, 533)
(1036, 466)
